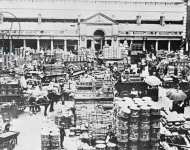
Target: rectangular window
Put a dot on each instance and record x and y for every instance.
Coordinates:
(89, 44)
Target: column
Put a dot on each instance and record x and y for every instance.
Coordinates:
(65, 45)
(38, 44)
(156, 46)
(111, 53)
(51, 44)
(105, 43)
(144, 47)
(131, 43)
(93, 44)
(24, 43)
(117, 53)
(186, 46)
(78, 42)
(11, 46)
(169, 45)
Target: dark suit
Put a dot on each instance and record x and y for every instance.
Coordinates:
(62, 134)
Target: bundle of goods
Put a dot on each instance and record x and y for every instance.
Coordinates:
(50, 137)
(137, 123)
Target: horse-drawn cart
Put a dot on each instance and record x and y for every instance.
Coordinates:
(8, 140)
(11, 94)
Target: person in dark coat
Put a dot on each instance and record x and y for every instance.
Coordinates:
(165, 70)
(175, 71)
(153, 93)
(32, 101)
(44, 101)
(51, 96)
(62, 134)
(73, 109)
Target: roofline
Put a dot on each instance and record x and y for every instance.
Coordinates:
(101, 14)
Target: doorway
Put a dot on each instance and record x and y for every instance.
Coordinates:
(99, 41)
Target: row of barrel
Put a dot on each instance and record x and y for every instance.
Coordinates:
(137, 124)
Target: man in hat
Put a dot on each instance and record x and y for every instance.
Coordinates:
(62, 134)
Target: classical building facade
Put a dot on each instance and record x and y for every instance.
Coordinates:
(70, 24)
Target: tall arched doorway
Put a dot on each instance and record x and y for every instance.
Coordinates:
(99, 41)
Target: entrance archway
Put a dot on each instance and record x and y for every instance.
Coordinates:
(99, 41)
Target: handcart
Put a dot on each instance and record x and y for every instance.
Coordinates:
(8, 140)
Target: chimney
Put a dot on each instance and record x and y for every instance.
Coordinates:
(138, 20)
(39, 18)
(1, 18)
(162, 20)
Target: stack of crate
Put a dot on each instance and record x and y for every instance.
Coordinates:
(82, 114)
(50, 138)
(155, 126)
(99, 122)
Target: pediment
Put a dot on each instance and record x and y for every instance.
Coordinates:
(99, 19)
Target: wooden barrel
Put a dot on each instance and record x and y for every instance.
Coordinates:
(155, 135)
(144, 145)
(145, 111)
(100, 147)
(123, 131)
(155, 146)
(124, 112)
(122, 145)
(145, 124)
(134, 111)
(122, 138)
(155, 110)
(144, 135)
(122, 124)
(133, 133)
(133, 146)
(155, 123)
